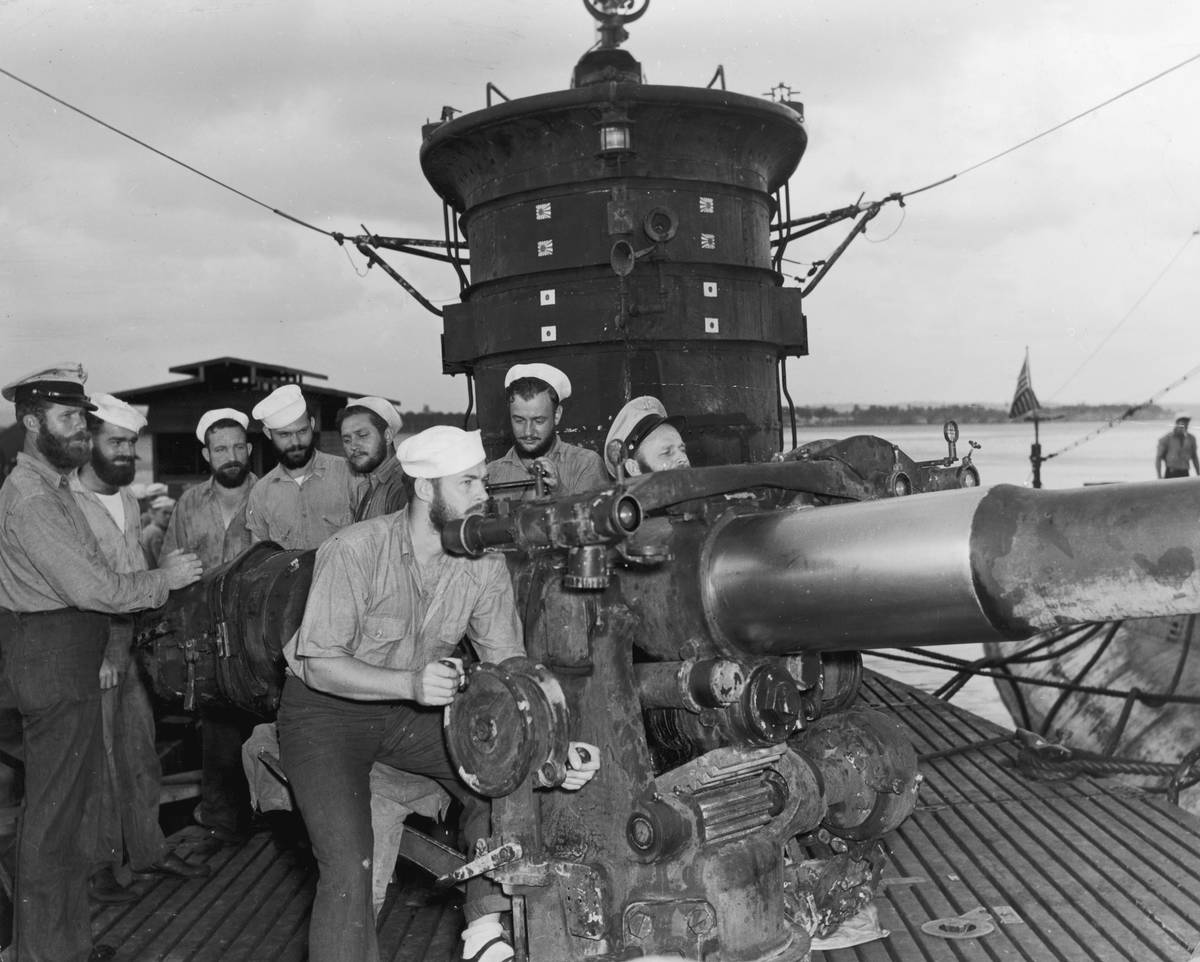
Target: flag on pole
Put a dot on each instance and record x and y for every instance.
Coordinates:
(1024, 400)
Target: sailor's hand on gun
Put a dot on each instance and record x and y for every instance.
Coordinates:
(549, 472)
(181, 568)
(583, 761)
(439, 681)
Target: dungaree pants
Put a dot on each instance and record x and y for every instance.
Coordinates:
(51, 662)
(327, 746)
(133, 773)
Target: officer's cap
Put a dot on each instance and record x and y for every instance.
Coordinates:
(59, 384)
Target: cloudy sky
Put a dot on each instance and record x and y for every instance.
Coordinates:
(113, 256)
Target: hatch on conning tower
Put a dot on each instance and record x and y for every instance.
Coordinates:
(621, 231)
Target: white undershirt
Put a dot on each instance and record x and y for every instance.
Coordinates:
(115, 506)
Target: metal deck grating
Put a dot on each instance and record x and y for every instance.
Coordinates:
(1073, 871)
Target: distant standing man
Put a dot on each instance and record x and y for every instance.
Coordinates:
(129, 806)
(56, 592)
(161, 509)
(210, 520)
(643, 438)
(309, 494)
(535, 394)
(1177, 451)
(369, 427)
(370, 669)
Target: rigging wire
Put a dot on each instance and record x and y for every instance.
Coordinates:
(869, 210)
(364, 244)
(1128, 314)
(1058, 126)
(164, 154)
(1125, 415)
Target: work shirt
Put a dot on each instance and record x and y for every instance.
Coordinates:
(1176, 452)
(579, 470)
(384, 493)
(197, 524)
(49, 558)
(121, 548)
(302, 515)
(370, 599)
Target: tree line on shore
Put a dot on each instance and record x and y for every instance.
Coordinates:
(969, 413)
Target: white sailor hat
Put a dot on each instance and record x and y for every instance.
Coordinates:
(385, 409)
(209, 418)
(440, 451)
(1183, 416)
(59, 383)
(543, 372)
(281, 407)
(631, 427)
(115, 411)
(162, 501)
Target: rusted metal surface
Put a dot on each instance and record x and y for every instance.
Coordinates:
(1045, 558)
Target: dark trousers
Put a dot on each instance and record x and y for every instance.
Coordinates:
(134, 772)
(224, 794)
(51, 662)
(327, 746)
(1175, 472)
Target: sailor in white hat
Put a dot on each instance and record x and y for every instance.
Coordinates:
(129, 822)
(1176, 452)
(210, 519)
(309, 495)
(370, 427)
(155, 531)
(55, 578)
(115, 428)
(381, 628)
(535, 395)
(644, 438)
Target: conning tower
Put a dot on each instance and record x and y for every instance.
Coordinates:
(621, 231)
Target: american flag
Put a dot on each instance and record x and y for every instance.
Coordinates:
(1024, 400)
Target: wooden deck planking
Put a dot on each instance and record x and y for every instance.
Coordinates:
(1092, 870)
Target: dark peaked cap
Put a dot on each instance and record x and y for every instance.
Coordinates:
(60, 384)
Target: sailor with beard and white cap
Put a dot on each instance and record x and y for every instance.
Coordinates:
(385, 613)
(370, 427)
(128, 806)
(56, 593)
(210, 519)
(535, 394)
(309, 494)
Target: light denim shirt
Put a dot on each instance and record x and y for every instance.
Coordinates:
(197, 525)
(302, 515)
(49, 558)
(371, 600)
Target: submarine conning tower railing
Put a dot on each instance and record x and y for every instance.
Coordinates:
(621, 232)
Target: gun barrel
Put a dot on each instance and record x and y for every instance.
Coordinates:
(973, 565)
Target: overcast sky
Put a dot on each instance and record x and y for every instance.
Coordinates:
(113, 256)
